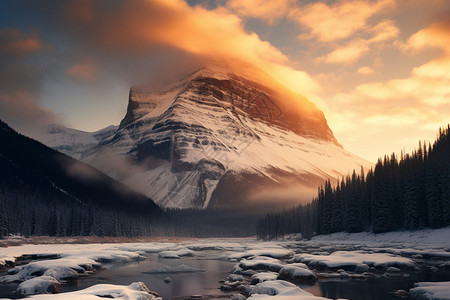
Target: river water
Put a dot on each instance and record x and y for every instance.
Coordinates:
(181, 285)
(184, 285)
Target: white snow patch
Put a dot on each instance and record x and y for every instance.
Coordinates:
(354, 258)
(274, 251)
(38, 268)
(39, 285)
(135, 291)
(261, 262)
(434, 238)
(431, 290)
(297, 272)
(263, 276)
(74, 259)
(280, 290)
(176, 253)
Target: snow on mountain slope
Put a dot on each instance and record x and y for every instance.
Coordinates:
(217, 138)
(74, 142)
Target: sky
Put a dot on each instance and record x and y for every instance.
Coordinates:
(378, 69)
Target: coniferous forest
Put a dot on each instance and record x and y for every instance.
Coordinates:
(407, 192)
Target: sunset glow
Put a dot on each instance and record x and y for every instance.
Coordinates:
(378, 69)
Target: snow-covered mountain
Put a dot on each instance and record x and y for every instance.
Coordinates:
(74, 142)
(221, 137)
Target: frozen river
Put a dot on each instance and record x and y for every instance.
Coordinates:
(221, 269)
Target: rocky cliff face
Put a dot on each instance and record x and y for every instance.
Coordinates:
(215, 138)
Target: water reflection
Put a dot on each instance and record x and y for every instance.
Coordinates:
(182, 284)
(373, 288)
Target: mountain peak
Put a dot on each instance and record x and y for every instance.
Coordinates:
(234, 87)
(218, 134)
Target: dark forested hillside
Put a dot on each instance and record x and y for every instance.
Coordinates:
(409, 192)
(43, 191)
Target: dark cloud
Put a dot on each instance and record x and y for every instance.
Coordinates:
(13, 42)
(21, 111)
(20, 81)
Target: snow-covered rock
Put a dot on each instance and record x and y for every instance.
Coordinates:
(176, 253)
(261, 263)
(238, 297)
(298, 273)
(58, 267)
(235, 277)
(63, 273)
(71, 261)
(351, 259)
(274, 251)
(263, 276)
(361, 268)
(431, 290)
(135, 291)
(39, 285)
(236, 269)
(279, 289)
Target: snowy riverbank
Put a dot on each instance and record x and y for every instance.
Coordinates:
(284, 269)
(425, 237)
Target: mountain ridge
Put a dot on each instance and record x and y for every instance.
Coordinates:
(74, 142)
(79, 181)
(192, 141)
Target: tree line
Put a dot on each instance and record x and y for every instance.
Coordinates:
(409, 192)
(31, 212)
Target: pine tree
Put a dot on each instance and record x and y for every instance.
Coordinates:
(52, 224)
(33, 222)
(380, 206)
(352, 211)
(411, 213)
(3, 225)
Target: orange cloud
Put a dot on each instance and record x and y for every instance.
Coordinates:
(389, 109)
(268, 10)
(339, 21)
(435, 36)
(347, 54)
(15, 42)
(437, 69)
(86, 72)
(429, 83)
(355, 49)
(383, 31)
(365, 71)
(144, 26)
